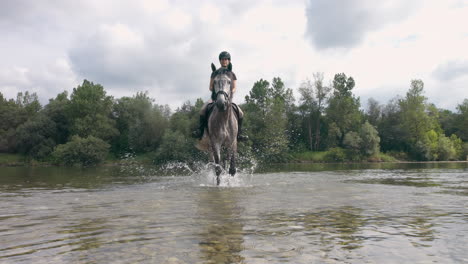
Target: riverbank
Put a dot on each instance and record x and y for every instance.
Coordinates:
(18, 160)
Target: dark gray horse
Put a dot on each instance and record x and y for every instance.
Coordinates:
(222, 127)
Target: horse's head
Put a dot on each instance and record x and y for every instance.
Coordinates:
(222, 88)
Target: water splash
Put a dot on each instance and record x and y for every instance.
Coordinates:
(201, 173)
(177, 168)
(205, 175)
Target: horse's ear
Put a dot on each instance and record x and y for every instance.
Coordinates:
(230, 66)
(213, 67)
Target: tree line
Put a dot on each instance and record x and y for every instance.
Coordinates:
(88, 126)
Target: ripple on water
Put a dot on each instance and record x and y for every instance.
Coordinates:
(306, 217)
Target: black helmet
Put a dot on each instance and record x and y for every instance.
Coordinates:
(224, 54)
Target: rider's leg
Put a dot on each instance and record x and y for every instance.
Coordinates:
(201, 129)
(240, 118)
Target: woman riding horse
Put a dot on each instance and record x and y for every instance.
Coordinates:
(226, 67)
(222, 119)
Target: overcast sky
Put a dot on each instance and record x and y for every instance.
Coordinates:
(166, 47)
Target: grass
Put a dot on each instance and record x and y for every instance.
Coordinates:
(10, 159)
(320, 156)
(310, 156)
(387, 158)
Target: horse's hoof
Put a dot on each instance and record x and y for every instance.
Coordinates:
(218, 171)
(218, 181)
(232, 171)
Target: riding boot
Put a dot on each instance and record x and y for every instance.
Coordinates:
(201, 129)
(240, 136)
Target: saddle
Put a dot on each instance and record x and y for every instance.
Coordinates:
(210, 107)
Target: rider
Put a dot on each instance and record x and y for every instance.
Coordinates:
(225, 61)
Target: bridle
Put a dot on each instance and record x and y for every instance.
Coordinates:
(222, 91)
(226, 95)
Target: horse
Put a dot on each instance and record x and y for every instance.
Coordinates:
(222, 127)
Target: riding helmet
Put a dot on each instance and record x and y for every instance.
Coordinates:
(225, 54)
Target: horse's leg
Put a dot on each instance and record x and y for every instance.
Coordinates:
(218, 169)
(232, 155)
(224, 158)
(211, 156)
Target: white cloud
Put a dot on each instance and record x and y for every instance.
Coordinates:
(451, 70)
(166, 47)
(210, 13)
(345, 24)
(47, 82)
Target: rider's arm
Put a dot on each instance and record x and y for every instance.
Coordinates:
(234, 86)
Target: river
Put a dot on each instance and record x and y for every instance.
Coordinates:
(325, 213)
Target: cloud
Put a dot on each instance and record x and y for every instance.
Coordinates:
(166, 47)
(345, 25)
(47, 82)
(167, 50)
(169, 63)
(451, 70)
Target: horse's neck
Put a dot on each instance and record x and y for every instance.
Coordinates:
(223, 118)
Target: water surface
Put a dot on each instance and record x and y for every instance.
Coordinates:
(407, 213)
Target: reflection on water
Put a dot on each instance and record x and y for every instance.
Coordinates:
(221, 232)
(415, 214)
(326, 230)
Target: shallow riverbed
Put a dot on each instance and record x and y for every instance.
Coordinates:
(404, 213)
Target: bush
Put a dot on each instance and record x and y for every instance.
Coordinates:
(370, 140)
(464, 155)
(82, 151)
(314, 156)
(34, 138)
(386, 157)
(175, 147)
(398, 155)
(335, 155)
(446, 149)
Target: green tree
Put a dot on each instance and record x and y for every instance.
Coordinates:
(374, 112)
(9, 121)
(259, 97)
(175, 147)
(390, 130)
(414, 118)
(370, 140)
(266, 108)
(353, 143)
(313, 98)
(308, 107)
(364, 143)
(448, 121)
(35, 137)
(90, 112)
(141, 124)
(56, 110)
(30, 103)
(419, 123)
(177, 143)
(462, 120)
(13, 113)
(343, 108)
